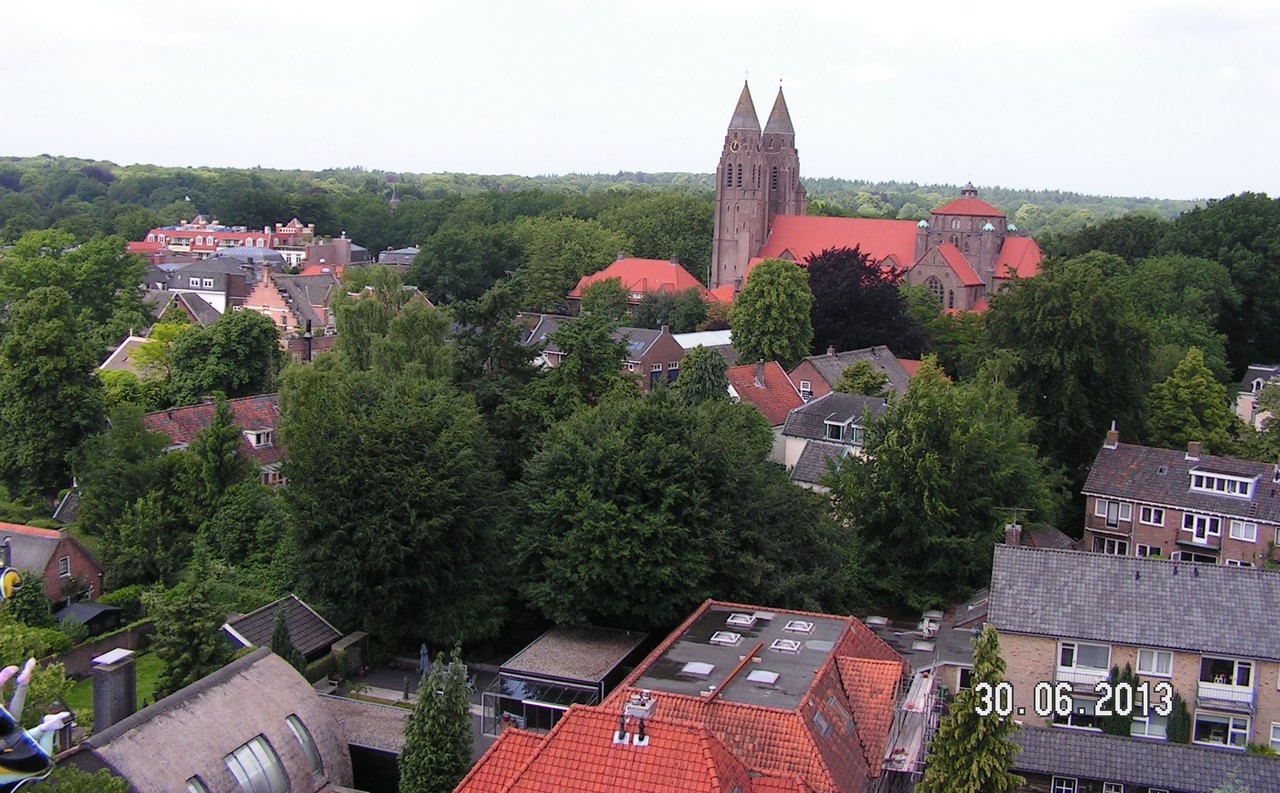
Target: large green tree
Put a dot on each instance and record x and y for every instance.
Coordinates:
(559, 252)
(633, 514)
(973, 751)
(188, 635)
(771, 316)
(1077, 353)
(702, 376)
(50, 396)
(437, 735)
(927, 502)
(463, 260)
(666, 225)
(237, 356)
(1191, 406)
(393, 495)
(856, 304)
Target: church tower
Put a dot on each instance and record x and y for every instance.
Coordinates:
(742, 217)
(782, 163)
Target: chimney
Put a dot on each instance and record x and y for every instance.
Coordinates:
(115, 688)
(1012, 534)
(760, 373)
(831, 350)
(622, 255)
(1193, 450)
(621, 736)
(666, 329)
(1113, 437)
(675, 261)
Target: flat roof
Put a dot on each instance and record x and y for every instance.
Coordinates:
(582, 654)
(683, 668)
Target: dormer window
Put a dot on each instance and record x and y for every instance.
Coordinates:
(258, 438)
(1222, 484)
(1258, 383)
(836, 431)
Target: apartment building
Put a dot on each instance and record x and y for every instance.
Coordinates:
(1181, 505)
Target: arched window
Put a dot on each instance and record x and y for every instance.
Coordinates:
(739, 174)
(199, 240)
(728, 175)
(955, 223)
(935, 286)
(773, 179)
(951, 298)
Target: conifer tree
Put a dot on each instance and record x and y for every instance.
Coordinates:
(437, 735)
(972, 753)
(187, 637)
(283, 646)
(1179, 729)
(1190, 406)
(862, 377)
(702, 376)
(1117, 723)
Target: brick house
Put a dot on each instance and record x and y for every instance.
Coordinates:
(818, 375)
(1257, 377)
(766, 385)
(67, 568)
(826, 430)
(641, 277)
(1070, 616)
(736, 698)
(293, 301)
(256, 416)
(651, 355)
(1187, 506)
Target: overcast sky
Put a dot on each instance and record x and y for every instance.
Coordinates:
(1163, 98)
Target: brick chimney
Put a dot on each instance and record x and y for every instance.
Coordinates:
(760, 373)
(115, 688)
(1113, 437)
(675, 261)
(1193, 450)
(621, 255)
(831, 350)
(1012, 534)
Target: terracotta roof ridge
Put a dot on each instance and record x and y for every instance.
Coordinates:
(32, 531)
(508, 736)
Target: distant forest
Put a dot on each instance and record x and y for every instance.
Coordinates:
(87, 197)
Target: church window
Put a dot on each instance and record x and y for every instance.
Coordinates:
(935, 286)
(773, 181)
(739, 174)
(728, 176)
(955, 223)
(951, 298)
(955, 239)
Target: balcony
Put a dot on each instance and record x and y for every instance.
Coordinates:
(1224, 696)
(1080, 676)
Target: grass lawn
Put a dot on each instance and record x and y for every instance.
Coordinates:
(148, 667)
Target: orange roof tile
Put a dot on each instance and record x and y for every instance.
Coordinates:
(872, 687)
(500, 764)
(723, 294)
(776, 396)
(911, 366)
(959, 264)
(803, 236)
(1022, 254)
(968, 206)
(182, 424)
(30, 531)
(643, 275)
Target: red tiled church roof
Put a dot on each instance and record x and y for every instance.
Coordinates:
(1022, 254)
(968, 206)
(775, 398)
(799, 237)
(182, 424)
(959, 264)
(643, 275)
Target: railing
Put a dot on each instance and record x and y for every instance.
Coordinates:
(1080, 677)
(1225, 693)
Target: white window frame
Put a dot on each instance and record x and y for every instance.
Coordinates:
(1190, 556)
(841, 430)
(64, 567)
(1236, 665)
(674, 366)
(1102, 508)
(1193, 523)
(805, 385)
(1075, 656)
(1142, 726)
(1222, 484)
(1275, 735)
(1233, 730)
(193, 282)
(1068, 720)
(308, 744)
(1151, 516)
(1065, 784)
(206, 283)
(1112, 787)
(1237, 563)
(1117, 547)
(655, 367)
(1149, 550)
(1152, 668)
(257, 768)
(1245, 530)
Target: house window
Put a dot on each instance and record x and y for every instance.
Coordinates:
(196, 785)
(1244, 530)
(1082, 715)
(955, 223)
(655, 367)
(1275, 736)
(1238, 563)
(207, 283)
(308, 745)
(1112, 787)
(806, 387)
(194, 283)
(631, 367)
(820, 721)
(1188, 556)
(1219, 729)
(64, 566)
(258, 438)
(1222, 485)
(1110, 546)
(951, 298)
(1065, 784)
(1152, 516)
(1157, 663)
(1150, 726)
(257, 769)
(834, 431)
(965, 679)
(1113, 511)
(1202, 527)
(1083, 663)
(1149, 550)
(1226, 672)
(935, 286)
(857, 435)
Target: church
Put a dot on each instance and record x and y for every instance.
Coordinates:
(966, 249)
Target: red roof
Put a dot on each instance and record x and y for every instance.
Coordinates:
(644, 275)
(182, 424)
(723, 294)
(30, 531)
(1020, 253)
(776, 397)
(500, 764)
(968, 206)
(872, 687)
(322, 269)
(910, 365)
(799, 237)
(959, 265)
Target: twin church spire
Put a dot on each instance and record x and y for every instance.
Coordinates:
(757, 179)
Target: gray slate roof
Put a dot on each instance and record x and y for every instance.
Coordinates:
(832, 365)
(1258, 371)
(1133, 473)
(816, 460)
(305, 291)
(308, 631)
(1126, 600)
(1140, 763)
(204, 313)
(809, 421)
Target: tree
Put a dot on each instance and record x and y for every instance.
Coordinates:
(856, 304)
(689, 311)
(29, 604)
(1191, 406)
(218, 464)
(50, 398)
(926, 503)
(861, 377)
(283, 646)
(630, 517)
(155, 357)
(1179, 730)
(395, 503)
(237, 356)
(437, 735)
(416, 339)
(1077, 354)
(974, 753)
(463, 260)
(771, 316)
(1132, 237)
(188, 630)
(702, 376)
(590, 366)
(667, 225)
(116, 467)
(559, 252)
(49, 684)
(606, 297)
(1116, 723)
